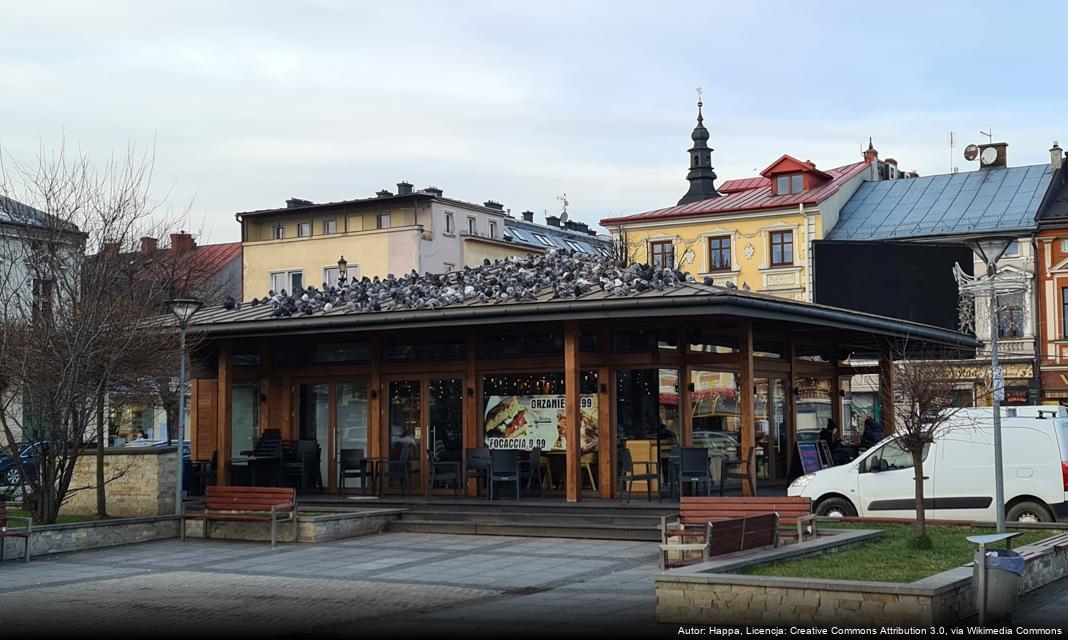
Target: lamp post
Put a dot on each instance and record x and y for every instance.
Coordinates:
(183, 309)
(990, 251)
(342, 270)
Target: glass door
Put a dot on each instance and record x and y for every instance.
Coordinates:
(404, 419)
(351, 414)
(446, 419)
(313, 425)
(771, 430)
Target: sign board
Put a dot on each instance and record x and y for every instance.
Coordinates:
(809, 454)
(999, 384)
(825, 454)
(525, 422)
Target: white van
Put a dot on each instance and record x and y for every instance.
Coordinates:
(958, 471)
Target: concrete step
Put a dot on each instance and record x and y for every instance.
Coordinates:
(526, 529)
(555, 519)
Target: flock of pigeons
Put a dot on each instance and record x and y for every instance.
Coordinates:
(563, 273)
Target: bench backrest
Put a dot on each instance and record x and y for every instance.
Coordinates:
(248, 498)
(699, 510)
(739, 534)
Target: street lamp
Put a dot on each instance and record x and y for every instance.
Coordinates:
(184, 309)
(342, 270)
(990, 250)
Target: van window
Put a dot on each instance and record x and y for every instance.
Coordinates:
(892, 457)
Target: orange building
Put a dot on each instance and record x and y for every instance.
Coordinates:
(1051, 270)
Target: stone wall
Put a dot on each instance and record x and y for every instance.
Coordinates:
(61, 538)
(311, 527)
(711, 593)
(138, 482)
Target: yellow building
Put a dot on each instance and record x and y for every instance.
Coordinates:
(299, 245)
(753, 233)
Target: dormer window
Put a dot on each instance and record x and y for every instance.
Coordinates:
(793, 183)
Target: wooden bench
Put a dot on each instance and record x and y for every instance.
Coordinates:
(728, 535)
(15, 533)
(247, 504)
(696, 511)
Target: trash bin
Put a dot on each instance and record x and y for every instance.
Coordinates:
(1004, 570)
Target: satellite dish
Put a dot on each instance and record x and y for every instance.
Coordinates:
(971, 152)
(563, 216)
(990, 154)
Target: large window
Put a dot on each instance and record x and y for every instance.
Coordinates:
(527, 410)
(782, 247)
(43, 292)
(278, 232)
(719, 253)
(493, 228)
(244, 416)
(1064, 313)
(662, 254)
(329, 227)
(383, 221)
(1011, 315)
(291, 280)
(472, 225)
(450, 223)
(330, 276)
(304, 229)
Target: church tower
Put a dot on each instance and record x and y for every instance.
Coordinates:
(701, 176)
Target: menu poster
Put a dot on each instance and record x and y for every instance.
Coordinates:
(810, 457)
(525, 422)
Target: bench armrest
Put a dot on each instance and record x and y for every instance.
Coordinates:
(665, 522)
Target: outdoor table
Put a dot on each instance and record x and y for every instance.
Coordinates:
(378, 468)
(258, 465)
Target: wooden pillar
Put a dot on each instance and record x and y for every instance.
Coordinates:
(571, 390)
(223, 428)
(606, 436)
(471, 428)
(374, 405)
(886, 390)
(745, 396)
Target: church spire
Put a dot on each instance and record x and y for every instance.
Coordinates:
(701, 176)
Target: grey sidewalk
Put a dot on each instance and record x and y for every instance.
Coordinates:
(383, 585)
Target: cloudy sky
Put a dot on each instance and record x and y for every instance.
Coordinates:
(250, 103)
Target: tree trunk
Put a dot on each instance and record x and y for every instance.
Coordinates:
(101, 493)
(921, 515)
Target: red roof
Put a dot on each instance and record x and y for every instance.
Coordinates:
(736, 199)
(207, 260)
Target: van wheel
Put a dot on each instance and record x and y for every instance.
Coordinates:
(1028, 512)
(836, 508)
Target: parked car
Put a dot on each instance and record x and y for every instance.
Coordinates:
(716, 442)
(28, 453)
(958, 469)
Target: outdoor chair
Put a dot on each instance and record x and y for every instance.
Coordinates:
(304, 466)
(530, 470)
(504, 468)
(749, 475)
(446, 471)
(399, 469)
(353, 465)
(205, 473)
(693, 469)
(627, 475)
(671, 473)
(477, 463)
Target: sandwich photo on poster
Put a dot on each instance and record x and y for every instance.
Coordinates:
(525, 422)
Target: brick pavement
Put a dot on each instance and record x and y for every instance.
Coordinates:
(388, 585)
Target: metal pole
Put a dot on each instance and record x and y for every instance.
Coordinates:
(999, 479)
(179, 428)
(981, 587)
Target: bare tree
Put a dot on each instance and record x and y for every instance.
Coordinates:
(71, 328)
(927, 398)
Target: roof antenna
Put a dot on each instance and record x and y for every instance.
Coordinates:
(989, 135)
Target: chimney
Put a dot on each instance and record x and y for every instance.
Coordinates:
(383, 193)
(434, 191)
(1000, 160)
(493, 204)
(404, 188)
(296, 203)
(1056, 156)
(109, 248)
(528, 216)
(870, 154)
(552, 221)
(182, 241)
(148, 244)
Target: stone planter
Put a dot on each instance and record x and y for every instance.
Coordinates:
(311, 526)
(78, 536)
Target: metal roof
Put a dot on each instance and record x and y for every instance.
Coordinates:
(752, 199)
(16, 213)
(998, 199)
(530, 234)
(1055, 208)
(679, 301)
